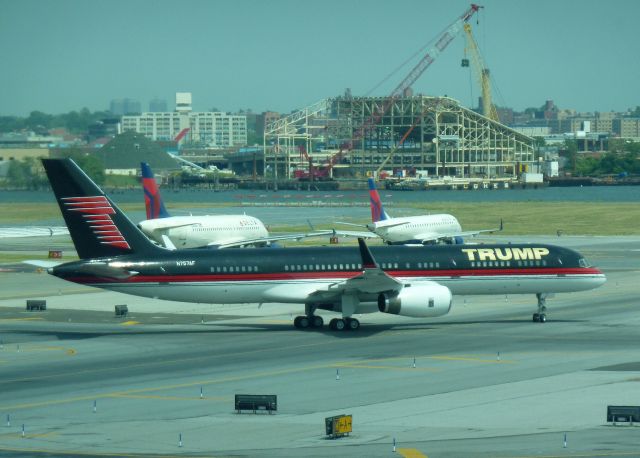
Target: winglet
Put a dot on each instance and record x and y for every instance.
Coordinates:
(367, 258)
(152, 200)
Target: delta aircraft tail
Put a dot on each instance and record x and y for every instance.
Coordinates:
(97, 226)
(377, 211)
(152, 200)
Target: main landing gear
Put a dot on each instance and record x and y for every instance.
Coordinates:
(336, 324)
(311, 320)
(541, 316)
(341, 324)
(308, 321)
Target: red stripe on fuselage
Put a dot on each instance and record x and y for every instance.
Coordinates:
(252, 276)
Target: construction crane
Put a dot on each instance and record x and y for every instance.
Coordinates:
(401, 89)
(482, 73)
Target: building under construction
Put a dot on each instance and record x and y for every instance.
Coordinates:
(351, 137)
(403, 134)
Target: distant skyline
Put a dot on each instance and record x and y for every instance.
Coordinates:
(281, 55)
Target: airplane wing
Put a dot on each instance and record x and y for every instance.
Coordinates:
(33, 231)
(43, 264)
(358, 234)
(274, 238)
(372, 280)
(429, 237)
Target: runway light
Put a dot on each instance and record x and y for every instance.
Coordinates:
(8, 420)
(498, 356)
(180, 440)
(22, 429)
(337, 374)
(201, 393)
(414, 362)
(95, 406)
(394, 445)
(564, 444)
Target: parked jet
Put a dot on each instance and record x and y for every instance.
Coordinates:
(408, 281)
(219, 231)
(420, 229)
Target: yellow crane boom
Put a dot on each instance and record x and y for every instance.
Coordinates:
(482, 73)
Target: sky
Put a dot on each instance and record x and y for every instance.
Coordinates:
(281, 55)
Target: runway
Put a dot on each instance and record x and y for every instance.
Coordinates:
(483, 381)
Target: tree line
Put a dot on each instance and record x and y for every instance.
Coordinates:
(623, 158)
(76, 122)
(29, 172)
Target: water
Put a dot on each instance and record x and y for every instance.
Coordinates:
(549, 194)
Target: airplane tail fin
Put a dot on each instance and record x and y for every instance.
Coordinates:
(377, 211)
(152, 200)
(97, 226)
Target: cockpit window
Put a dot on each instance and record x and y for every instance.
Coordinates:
(582, 262)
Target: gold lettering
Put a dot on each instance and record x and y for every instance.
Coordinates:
(540, 252)
(522, 253)
(507, 255)
(486, 254)
(470, 253)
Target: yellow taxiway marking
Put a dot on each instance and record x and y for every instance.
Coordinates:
(68, 351)
(587, 455)
(29, 436)
(129, 323)
(470, 358)
(411, 453)
(92, 454)
(171, 398)
(397, 368)
(33, 318)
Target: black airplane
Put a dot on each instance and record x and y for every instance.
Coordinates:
(408, 281)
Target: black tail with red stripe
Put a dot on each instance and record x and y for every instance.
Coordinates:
(97, 226)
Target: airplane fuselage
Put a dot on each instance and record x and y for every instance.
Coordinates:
(415, 228)
(294, 274)
(199, 231)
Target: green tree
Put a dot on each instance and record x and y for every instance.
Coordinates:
(90, 163)
(570, 151)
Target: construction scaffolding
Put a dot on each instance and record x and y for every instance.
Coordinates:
(445, 139)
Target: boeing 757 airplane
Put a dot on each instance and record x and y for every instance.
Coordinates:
(217, 231)
(408, 281)
(419, 229)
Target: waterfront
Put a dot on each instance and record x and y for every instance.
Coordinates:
(547, 194)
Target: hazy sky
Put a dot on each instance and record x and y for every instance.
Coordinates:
(63, 55)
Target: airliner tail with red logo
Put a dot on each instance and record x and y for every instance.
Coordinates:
(97, 226)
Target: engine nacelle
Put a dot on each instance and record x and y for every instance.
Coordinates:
(425, 300)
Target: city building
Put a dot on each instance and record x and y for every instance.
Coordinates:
(158, 105)
(212, 129)
(120, 107)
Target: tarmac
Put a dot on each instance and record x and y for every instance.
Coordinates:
(483, 381)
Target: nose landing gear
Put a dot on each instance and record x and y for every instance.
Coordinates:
(541, 316)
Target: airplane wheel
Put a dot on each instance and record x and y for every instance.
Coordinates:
(296, 321)
(317, 321)
(353, 324)
(304, 322)
(543, 318)
(536, 317)
(337, 324)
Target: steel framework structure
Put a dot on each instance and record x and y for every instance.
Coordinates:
(447, 139)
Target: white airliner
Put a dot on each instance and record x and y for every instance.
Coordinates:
(219, 231)
(419, 229)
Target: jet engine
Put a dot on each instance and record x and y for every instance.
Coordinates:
(425, 300)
